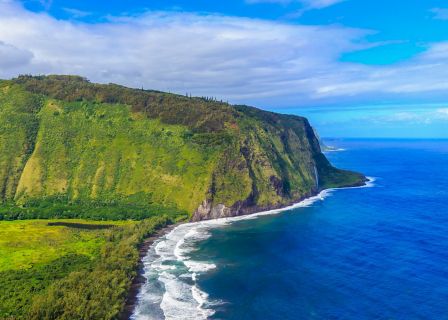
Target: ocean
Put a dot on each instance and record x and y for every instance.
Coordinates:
(377, 252)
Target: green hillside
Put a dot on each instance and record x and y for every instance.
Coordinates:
(71, 148)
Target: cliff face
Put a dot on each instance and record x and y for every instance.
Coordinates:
(275, 162)
(62, 136)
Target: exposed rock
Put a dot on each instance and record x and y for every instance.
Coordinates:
(207, 211)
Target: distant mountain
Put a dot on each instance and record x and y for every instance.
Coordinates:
(63, 137)
(323, 146)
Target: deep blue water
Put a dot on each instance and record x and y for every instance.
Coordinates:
(370, 253)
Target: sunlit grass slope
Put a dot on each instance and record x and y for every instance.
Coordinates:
(101, 151)
(27, 243)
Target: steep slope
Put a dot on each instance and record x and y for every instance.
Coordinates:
(18, 130)
(64, 138)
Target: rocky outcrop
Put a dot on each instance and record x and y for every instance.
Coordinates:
(207, 211)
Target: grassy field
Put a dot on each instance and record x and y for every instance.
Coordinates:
(47, 267)
(26, 243)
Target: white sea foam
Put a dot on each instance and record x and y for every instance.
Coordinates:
(369, 184)
(171, 291)
(169, 265)
(334, 150)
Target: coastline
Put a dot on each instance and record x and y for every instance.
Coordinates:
(236, 211)
(139, 279)
(137, 283)
(303, 202)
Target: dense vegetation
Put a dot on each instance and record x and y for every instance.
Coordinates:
(63, 208)
(77, 280)
(70, 148)
(199, 114)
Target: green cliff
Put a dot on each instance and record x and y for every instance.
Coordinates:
(75, 143)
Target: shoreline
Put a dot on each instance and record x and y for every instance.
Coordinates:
(254, 210)
(139, 280)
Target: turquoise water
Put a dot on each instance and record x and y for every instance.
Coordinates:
(369, 253)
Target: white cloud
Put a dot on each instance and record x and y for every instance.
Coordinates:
(440, 13)
(442, 114)
(75, 13)
(319, 4)
(208, 55)
(309, 4)
(428, 116)
(405, 117)
(243, 60)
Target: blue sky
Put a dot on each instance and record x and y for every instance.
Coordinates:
(354, 67)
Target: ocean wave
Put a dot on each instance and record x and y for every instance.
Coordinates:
(171, 291)
(334, 150)
(169, 266)
(369, 184)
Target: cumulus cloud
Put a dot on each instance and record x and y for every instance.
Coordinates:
(243, 60)
(208, 55)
